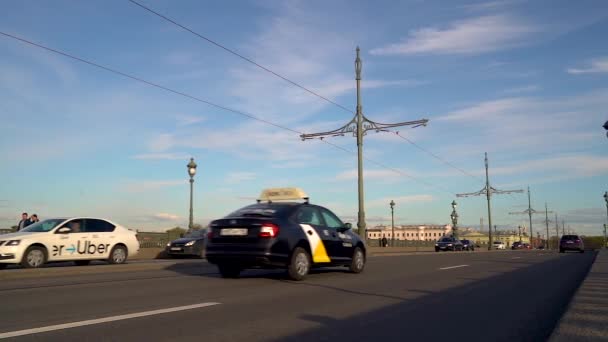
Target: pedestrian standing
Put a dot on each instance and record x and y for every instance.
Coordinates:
(384, 241)
(34, 219)
(25, 221)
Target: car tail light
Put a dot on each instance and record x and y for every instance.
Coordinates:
(577, 240)
(269, 230)
(210, 234)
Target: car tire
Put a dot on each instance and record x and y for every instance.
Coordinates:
(436, 249)
(229, 270)
(34, 257)
(118, 255)
(3, 266)
(82, 262)
(299, 265)
(582, 251)
(358, 261)
(561, 250)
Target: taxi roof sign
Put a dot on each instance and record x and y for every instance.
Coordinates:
(282, 194)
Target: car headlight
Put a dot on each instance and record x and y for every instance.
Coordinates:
(449, 244)
(13, 243)
(190, 243)
(436, 244)
(169, 244)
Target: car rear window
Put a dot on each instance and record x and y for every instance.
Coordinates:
(261, 209)
(570, 237)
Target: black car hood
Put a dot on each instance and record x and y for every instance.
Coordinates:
(185, 240)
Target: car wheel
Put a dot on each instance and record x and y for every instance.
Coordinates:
(582, 251)
(229, 270)
(358, 263)
(82, 262)
(436, 249)
(3, 266)
(118, 255)
(299, 264)
(34, 257)
(561, 250)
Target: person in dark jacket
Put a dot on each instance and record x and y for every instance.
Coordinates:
(34, 219)
(384, 241)
(24, 222)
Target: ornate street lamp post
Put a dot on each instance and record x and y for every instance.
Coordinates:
(191, 172)
(392, 204)
(454, 217)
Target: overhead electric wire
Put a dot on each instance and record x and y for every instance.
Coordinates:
(177, 92)
(238, 55)
(249, 60)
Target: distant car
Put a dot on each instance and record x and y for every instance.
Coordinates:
(78, 239)
(191, 244)
(499, 245)
(448, 244)
(282, 232)
(520, 245)
(571, 243)
(468, 245)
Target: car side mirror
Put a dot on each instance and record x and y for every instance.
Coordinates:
(64, 230)
(347, 227)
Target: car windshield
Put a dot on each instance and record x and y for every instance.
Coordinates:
(43, 226)
(446, 239)
(197, 234)
(570, 237)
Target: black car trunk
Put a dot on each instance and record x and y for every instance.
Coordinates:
(238, 230)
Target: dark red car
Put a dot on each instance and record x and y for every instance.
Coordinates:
(571, 243)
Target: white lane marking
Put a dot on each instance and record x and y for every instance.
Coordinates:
(447, 268)
(516, 258)
(102, 320)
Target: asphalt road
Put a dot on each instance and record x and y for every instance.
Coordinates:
(501, 296)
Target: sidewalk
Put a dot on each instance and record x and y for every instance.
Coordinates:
(586, 318)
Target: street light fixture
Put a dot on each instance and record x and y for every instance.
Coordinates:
(454, 217)
(191, 172)
(392, 204)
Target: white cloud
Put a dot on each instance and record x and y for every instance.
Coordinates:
(400, 200)
(187, 120)
(161, 143)
(377, 174)
(470, 36)
(488, 5)
(598, 65)
(166, 217)
(148, 185)
(564, 167)
(522, 89)
(238, 177)
(161, 156)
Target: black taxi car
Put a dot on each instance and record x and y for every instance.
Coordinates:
(280, 232)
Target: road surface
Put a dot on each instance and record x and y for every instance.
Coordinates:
(499, 296)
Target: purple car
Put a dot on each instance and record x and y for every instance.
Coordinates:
(571, 243)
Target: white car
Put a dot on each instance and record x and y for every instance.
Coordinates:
(499, 245)
(78, 239)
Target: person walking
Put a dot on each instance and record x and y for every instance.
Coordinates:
(25, 221)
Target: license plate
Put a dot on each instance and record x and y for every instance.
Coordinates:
(569, 242)
(233, 232)
(176, 249)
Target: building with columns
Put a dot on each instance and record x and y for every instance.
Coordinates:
(410, 232)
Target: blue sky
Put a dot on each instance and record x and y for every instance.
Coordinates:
(525, 81)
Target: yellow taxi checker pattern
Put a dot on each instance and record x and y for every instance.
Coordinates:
(319, 253)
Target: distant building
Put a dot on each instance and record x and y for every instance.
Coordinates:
(410, 232)
(508, 237)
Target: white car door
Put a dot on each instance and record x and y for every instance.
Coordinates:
(99, 239)
(64, 246)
